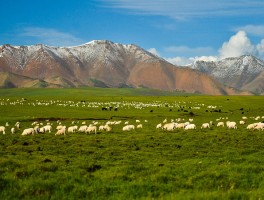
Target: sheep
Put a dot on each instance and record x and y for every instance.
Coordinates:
(83, 128)
(28, 131)
(241, 122)
(47, 127)
(137, 121)
(220, 124)
(190, 126)
(13, 130)
(61, 131)
(205, 125)
(169, 126)
(159, 126)
(128, 128)
(91, 128)
(139, 126)
(2, 129)
(101, 128)
(42, 130)
(259, 126)
(17, 125)
(180, 125)
(72, 129)
(107, 128)
(231, 125)
(252, 126)
(59, 127)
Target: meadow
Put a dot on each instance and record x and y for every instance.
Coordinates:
(147, 163)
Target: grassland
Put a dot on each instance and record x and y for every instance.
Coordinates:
(147, 163)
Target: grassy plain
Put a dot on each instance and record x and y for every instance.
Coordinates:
(147, 163)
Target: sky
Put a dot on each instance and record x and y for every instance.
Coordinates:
(180, 31)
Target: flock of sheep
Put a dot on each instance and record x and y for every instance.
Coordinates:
(95, 127)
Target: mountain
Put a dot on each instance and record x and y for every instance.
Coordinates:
(243, 73)
(99, 63)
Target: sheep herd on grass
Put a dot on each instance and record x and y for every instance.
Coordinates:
(94, 127)
(137, 124)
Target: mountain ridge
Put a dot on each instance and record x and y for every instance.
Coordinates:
(102, 61)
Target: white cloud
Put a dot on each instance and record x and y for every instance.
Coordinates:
(260, 48)
(51, 36)
(257, 30)
(239, 44)
(183, 61)
(179, 61)
(181, 9)
(154, 51)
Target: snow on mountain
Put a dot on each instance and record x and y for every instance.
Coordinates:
(103, 63)
(236, 72)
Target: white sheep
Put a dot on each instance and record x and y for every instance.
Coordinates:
(205, 125)
(159, 126)
(47, 127)
(190, 126)
(241, 122)
(13, 130)
(2, 129)
(101, 128)
(91, 128)
(83, 128)
(139, 126)
(107, 128)
(252, 126)
(128, 128)
(28, 131)
(169, 126)
(220, 124)
(61, 131)
(180, 125)
(259, 126)
(72, 129)
(231, 125)
(137, 121)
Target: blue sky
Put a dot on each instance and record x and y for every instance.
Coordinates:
(178, 30)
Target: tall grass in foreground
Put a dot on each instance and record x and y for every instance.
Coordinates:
(147, 163)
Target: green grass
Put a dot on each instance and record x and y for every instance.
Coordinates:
(216, 163)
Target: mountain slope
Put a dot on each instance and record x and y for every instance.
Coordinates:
(243, 73)
(102, 63)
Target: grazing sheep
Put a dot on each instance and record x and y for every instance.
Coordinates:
(28, 131)
(128, 128)
(241, 122)
(205, 125)
(42, 130)
(91, 128)
(101, 128)
(83, 128)
(159, 126)
(140, 126)
(2, 129)
(47, 127)
(231, 125)
(13, 130)
(107, 128)
(252, 126)
(220, 124)
(137, 121)
(259, 126)
(72, 129)
(61, 131)
(169, 126)
(190, 126)
(180, 125)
